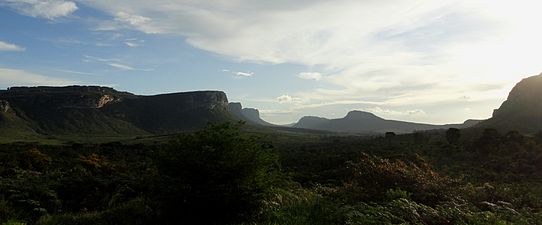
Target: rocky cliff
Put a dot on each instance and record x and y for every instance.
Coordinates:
(93, 110)
(522, 110)
(249, 115)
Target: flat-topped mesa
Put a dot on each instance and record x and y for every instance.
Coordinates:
(63, 97)
(102, 110)
(56, 90)
(211, 100)
(361, 115)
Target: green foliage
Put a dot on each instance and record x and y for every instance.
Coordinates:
(397, 193)
(373, 177)
(221, 175)
(34, 159)
(13, 222)
(453, 135)
(219, 170)
(134, 212)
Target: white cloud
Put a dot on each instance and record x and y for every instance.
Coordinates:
(4, 46)
(14, 77)
(124, 20)
(112, 62)
(396, 52)
(74, 72)
(244, 74)
(288, 99)
(121, 66)
(284, 99)
(132, 44)
(239, 74)
(394, 113)
(310, 75)
(49, 9)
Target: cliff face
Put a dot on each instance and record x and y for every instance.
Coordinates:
(522, 110)
(249, 115)
(63, 97)
(105, 111)
(172, 112)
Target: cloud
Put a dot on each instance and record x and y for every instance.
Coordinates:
(121, 66)
(4, 46)
(74, 72)
(244, 74)
(284, 99)
(288, 99)
(132, 43)
(396, 52)
(124, 20)
(112, 62)
(394, 113)
(14, 77)
(49, 9)
(239, 73)
(310, 75)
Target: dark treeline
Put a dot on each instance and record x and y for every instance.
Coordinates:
(222, 175)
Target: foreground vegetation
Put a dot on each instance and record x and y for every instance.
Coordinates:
(222, 175)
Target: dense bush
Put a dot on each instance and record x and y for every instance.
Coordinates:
(217, 171)
(373, 177)
(220, 175)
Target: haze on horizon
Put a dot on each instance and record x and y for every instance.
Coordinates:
(426, 61)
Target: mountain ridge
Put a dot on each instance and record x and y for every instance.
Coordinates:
(366, 122)
(94, 110)
(522, 110)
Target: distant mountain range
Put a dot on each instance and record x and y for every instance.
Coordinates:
(522, 111)
(365, 122)
(103, 111)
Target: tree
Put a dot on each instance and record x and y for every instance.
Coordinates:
(216, 175)
(453, 135)
(538, 137)
(390, 134)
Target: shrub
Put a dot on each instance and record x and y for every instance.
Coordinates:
(34, 159)
(215, 171)
(134, 212)
(453, 135)
(373, 177)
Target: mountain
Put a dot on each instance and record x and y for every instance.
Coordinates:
(103, 111)
(365, 122)
(522, 110)
(249, 115)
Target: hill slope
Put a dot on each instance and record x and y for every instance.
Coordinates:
(364, 122)
(101, 111)
(522, 110)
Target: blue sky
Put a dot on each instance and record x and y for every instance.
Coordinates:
(425, 61)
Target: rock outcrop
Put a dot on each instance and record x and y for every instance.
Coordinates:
(76, 110)
(4, 106)
(249, 115)
(522, 110)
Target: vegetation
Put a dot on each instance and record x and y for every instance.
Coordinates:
(223, 175)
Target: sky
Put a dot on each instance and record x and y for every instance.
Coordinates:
(431, 61)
